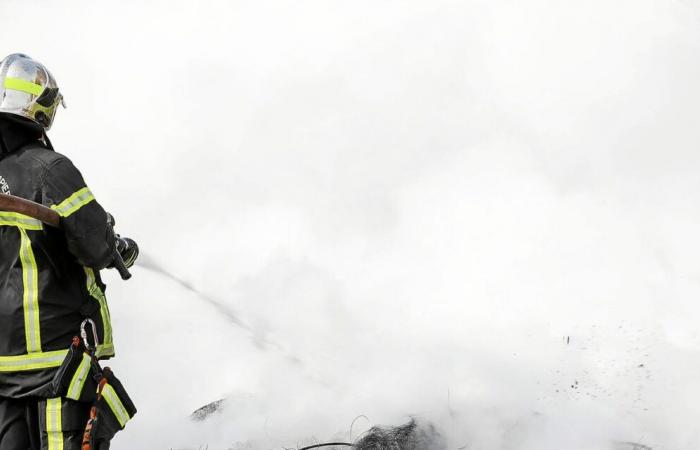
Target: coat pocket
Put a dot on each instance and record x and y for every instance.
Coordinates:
(112, 410)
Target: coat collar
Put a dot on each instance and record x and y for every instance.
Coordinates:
(15, 134)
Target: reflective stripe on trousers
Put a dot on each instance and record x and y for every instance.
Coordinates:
(54, 424)
(62, 423)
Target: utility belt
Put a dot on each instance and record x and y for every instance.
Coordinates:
(81, 378)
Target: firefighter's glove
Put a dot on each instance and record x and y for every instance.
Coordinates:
(128, 249)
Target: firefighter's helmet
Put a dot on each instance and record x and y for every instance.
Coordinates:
(27, 89)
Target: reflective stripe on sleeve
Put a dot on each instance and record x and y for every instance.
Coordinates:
(33, 361)
(19, 220)
(54, 423)
(73, 203)
(30, 281)
(115, 404)
(18, 84)
(75, 388)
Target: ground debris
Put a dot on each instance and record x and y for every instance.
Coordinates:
(631, 446)
(410, 436)
(205, 411)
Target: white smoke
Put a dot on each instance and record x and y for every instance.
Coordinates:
(482, 214)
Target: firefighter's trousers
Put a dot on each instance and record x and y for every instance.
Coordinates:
(43, 424)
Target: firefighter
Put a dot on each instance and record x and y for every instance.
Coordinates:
(49, 278)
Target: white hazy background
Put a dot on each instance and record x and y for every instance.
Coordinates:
(409, 204)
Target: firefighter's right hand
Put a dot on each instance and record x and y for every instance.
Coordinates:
(128, 249)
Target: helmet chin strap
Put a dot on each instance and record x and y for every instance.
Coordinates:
(3, 146)
(47, 141)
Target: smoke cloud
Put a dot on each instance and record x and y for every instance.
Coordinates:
(479, 214)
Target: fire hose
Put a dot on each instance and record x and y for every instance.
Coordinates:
(48, 216)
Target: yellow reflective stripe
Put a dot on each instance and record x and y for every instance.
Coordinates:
(19, 84)
(104, 350)
(33, 361)
(19, 220)
(107, 348)
(54, 423)
(75, 388)
(115, 404)
(30, 281)
(73, 203)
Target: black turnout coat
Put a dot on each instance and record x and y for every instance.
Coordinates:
(49, 278)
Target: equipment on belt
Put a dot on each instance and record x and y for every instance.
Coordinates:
(112, 407)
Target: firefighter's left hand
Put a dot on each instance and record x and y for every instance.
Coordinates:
(129, 250)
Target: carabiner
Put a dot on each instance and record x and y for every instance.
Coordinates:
(83, 334)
